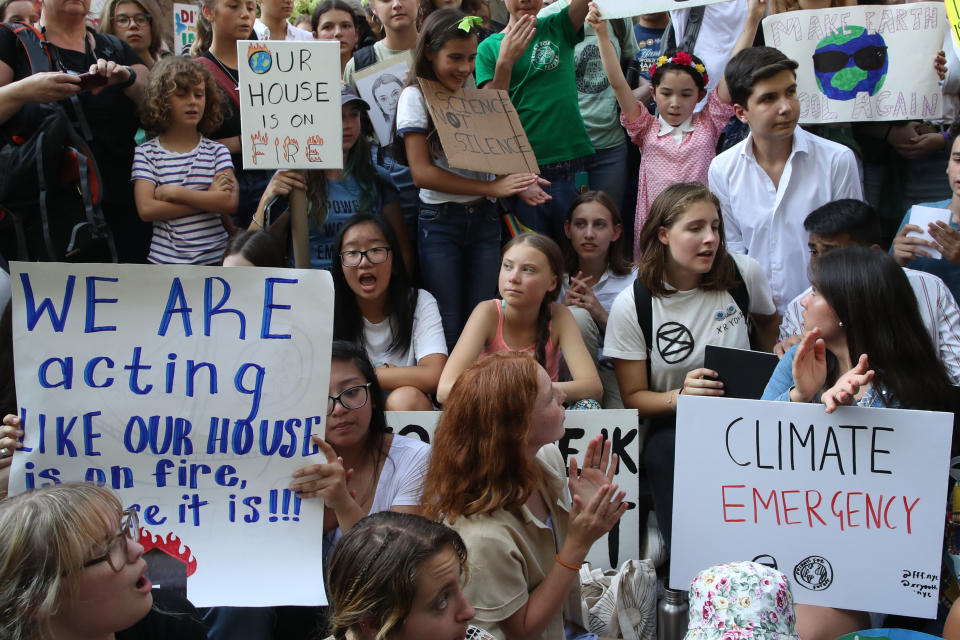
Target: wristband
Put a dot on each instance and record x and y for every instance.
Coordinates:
(129, 81)
(568, 566)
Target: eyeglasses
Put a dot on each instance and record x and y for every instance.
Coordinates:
(116, 553)
(868, 58)
(375, 255)
(351, 398)
(142, 20)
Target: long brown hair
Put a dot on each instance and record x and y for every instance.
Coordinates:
(616, 261)
(666, 210)
(478, 463)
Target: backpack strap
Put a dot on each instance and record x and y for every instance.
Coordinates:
(739, 292)
(364, 57)
(690, 33)
(33, 44)
(644, 304)
(223, 81)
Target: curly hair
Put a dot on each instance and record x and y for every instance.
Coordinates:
(168, 75)
(478, 462)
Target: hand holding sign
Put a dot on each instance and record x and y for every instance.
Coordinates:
(534, 193)
(324, 480)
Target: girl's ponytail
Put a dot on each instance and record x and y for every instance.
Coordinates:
(204, 37)
(543, 331)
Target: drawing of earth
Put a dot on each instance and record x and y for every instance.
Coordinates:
(846, 63)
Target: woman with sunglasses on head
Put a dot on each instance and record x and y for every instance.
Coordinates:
(71, 566)
(366, 469)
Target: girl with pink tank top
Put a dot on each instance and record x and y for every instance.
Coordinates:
(527, 318)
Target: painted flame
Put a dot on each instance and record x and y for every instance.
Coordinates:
(170, 546)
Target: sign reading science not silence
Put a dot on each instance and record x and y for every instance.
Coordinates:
(290, 104)
(849, 505)
(863, 63)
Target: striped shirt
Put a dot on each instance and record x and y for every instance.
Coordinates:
(938, 309)
(196, 238)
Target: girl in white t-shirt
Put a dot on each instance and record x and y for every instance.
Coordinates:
(692, 283)
(398, 325)
(458, 225)
(597, 270)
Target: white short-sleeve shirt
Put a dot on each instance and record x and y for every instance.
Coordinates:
(427, 337)
(683, 325)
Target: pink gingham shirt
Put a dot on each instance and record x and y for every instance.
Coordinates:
(664, 162)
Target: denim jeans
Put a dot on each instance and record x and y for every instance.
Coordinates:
(459, 249)
(607, 172)
(548, 218)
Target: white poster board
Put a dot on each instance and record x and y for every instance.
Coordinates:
(290, 104)
(620, 426)
(847, 504)
(863, 63)
(185, 18)
(192, 392)
(629, 8)
(380, 85)
(923, 217)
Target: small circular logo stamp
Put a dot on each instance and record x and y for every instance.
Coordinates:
(814, 573)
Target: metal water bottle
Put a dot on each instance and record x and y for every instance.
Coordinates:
(672, 616)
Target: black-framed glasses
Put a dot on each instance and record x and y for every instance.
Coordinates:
(142, 19)
(867, 58)
(116, 553)
(351, 398)
(376, 255)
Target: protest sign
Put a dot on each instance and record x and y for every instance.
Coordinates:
(192, 392)
(479, 129)
(290, 104)
(185, 17)
(923, 217)
(629, 8)
(871, 62)
(380, 85)
(953, 15)
(802, 488)
(619, 426)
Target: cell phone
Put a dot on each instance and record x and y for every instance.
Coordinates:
(89, 81)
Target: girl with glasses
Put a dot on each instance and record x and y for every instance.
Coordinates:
(367, 470)
(133, 22)
(71, 566)
(398, 325)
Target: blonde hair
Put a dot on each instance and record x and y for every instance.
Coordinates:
(46, 535)
(372, 579)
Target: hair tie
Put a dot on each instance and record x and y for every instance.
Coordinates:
(469, 22)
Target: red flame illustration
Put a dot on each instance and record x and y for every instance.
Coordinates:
(170, 546)
(315, 140)
(256, 46)
(263, 137)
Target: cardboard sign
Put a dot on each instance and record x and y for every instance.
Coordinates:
(871, 62)
(629, 8)
(380, 85)
(479, 130)
(836, 501)
(290, 104)
(192, 392)
(185, 18)
(620, 426)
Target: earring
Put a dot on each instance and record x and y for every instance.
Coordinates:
(840, 323)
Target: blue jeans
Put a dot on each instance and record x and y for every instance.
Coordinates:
(548, 218)
(459, 249)
(607, 171)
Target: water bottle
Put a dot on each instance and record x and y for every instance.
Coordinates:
(672, 616)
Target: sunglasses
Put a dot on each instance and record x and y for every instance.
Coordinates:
(868, 58)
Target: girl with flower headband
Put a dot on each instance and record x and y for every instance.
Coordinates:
(458, 226)
(678, 144)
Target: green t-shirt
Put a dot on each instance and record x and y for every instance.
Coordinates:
(598, 102)
(543, 89)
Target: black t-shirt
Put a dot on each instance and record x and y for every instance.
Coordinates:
(112, 116)
(231, 118)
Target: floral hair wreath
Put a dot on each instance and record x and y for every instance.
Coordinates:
(683, 59)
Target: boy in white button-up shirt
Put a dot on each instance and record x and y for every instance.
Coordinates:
(768, 183)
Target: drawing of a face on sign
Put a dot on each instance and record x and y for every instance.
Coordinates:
(847, 63)
(386, 91)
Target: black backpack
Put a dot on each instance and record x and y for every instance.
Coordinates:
(51, 189)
